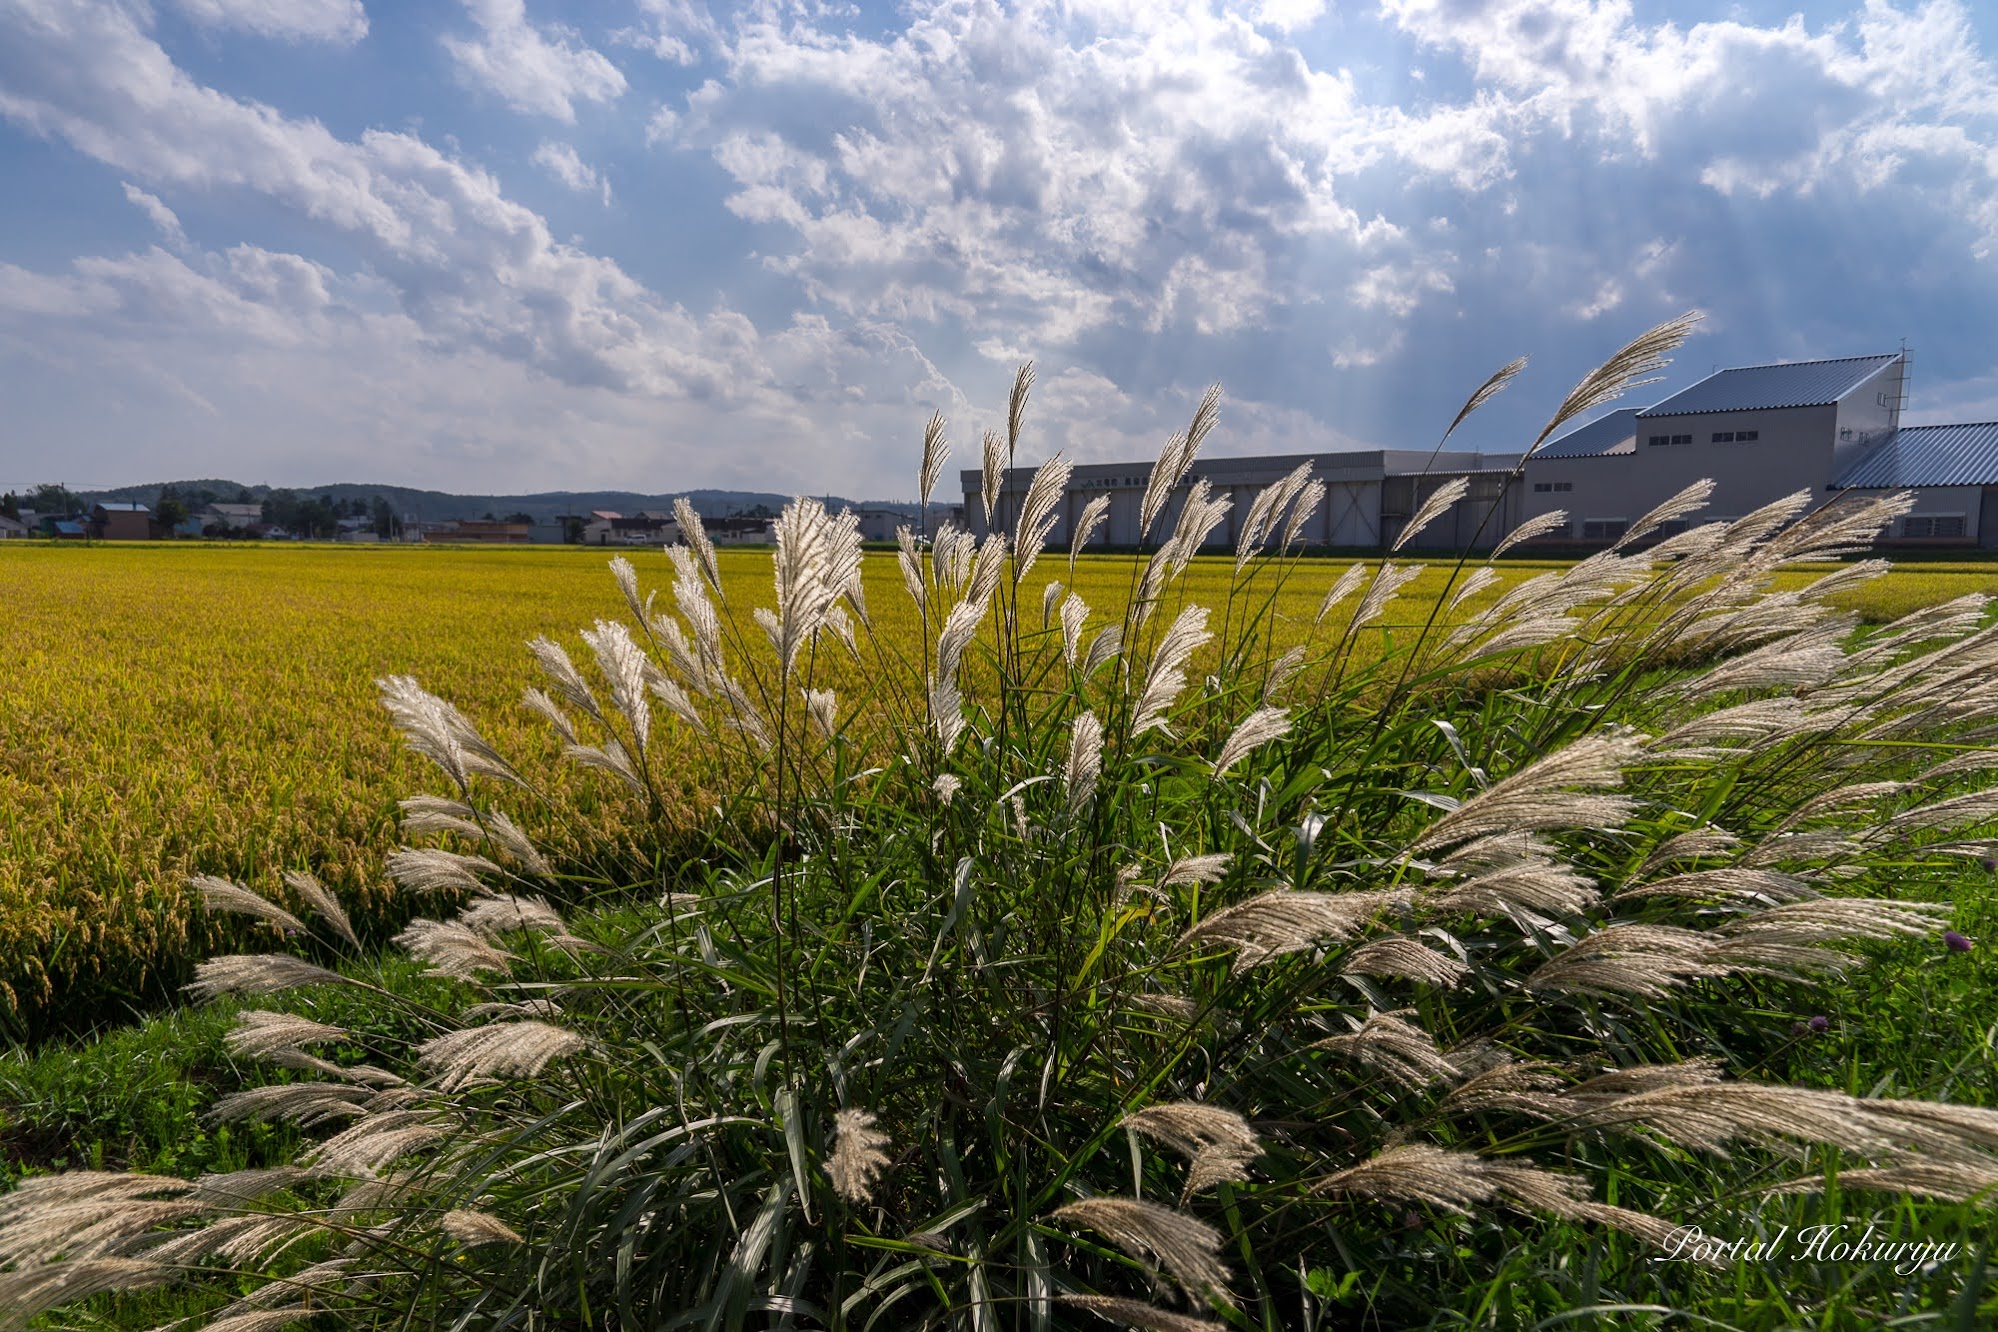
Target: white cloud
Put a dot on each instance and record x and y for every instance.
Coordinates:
(469, 265)
(675, 30)
(537, 70)
(560, 161)
(158, 213)
(1013, 169)
(341, 21)
(1893, 99)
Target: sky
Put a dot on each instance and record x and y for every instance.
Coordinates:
(504, 246)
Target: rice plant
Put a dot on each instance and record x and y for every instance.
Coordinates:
(1060, 965)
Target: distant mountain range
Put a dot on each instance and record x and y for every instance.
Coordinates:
(429, 506)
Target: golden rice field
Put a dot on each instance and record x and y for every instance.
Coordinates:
(177, 709)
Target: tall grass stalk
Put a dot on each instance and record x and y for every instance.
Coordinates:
(1081, 969)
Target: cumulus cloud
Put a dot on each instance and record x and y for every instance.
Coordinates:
(538, 70)
(1894, 98)
(1012, 168)
(1140, 197)
(341, 21)
(560, 161)
(468, 264)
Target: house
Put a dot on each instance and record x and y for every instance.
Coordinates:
(65, 529)
(482, 531)
(647, 528)
(12, 528)
(878, 523)
(121, 522)
(741, 531)
(224, 518)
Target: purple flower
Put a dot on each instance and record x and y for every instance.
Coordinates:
(1955, 942)
(1820, 1023)
(1990, 864)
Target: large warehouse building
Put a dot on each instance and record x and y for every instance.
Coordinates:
(1369, 495)
(1759, 432)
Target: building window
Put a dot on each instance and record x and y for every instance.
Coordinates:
(1541, 487)
(1604, 529)
(1932, 525)
(1736, 436)
(1671, 439)
(1672, 527)
(1564, 485)
(1723, 437)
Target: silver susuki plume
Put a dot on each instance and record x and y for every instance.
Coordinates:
(1404, 957)
(500, 1050)
(1175, 459)
(1038, 513)
(1396, 1049)
(1138, 1314)
(219, 894)
(426, 870)
(452, 949)
(936, 450)
(1085, 761)
(995, 466)
(1086, 523)
(441, 733)
(259, 1032)
(257, 973)
(1218, 1144)
(1255, 730)
(1189, 1249)
(857, 1160)
(1432, 508)
(1167, 674)
(323, 903)
(472, 1229)
(1285, 921)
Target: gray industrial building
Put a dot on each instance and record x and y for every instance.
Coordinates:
(1761, 432)
(1758, 432)
(1370, 495)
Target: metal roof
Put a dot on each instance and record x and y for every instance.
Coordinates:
(1596, 439)
(1934, 455)
(1763, 387)
(122, 507)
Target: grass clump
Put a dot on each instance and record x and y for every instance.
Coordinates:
(1050, 967)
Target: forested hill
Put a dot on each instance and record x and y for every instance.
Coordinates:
(439, 506)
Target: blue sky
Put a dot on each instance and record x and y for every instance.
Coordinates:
(501, 246)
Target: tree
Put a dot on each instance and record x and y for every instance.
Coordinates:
(281, 510)
(572, 529)
(170, 509)
(10, 506)
(57, 499)
(386, 525)
(520, 516)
